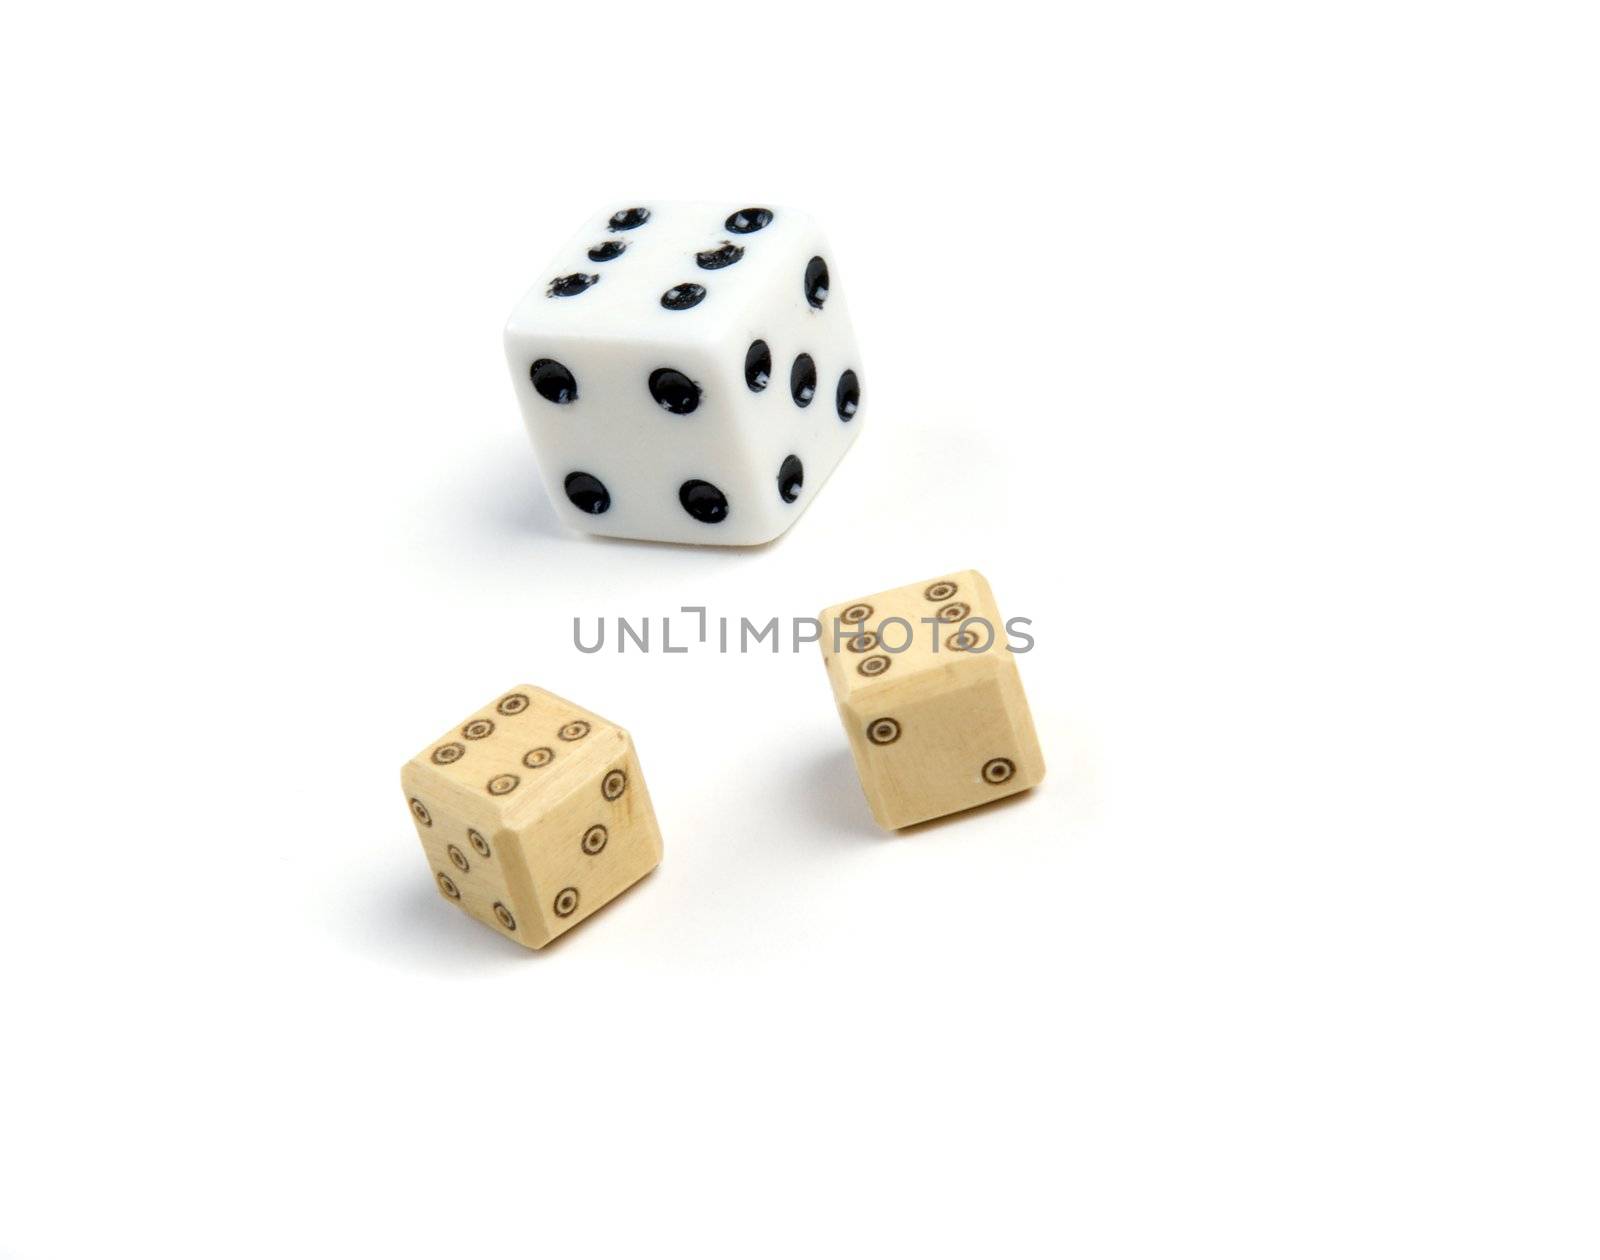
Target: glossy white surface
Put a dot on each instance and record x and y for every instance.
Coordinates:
(615, 333)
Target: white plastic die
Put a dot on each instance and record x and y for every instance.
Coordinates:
(687, 372)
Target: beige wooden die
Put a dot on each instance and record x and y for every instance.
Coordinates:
(533, 814)
(940, 724)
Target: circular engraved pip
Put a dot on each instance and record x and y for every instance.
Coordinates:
(538, 758)
(613, 785)
(513, 704)
(884, 731)
(478, 728)
(998, 770)
(476, 840)
(939, 592)
(954, 612)
(566, 902)
(872, 666)
(419, 811)
(855, 614)
(444, 754)
(863, 642)
(447, 886)
(595, 839)
(962, 641)
(503, 783)
(573, 730)
(458, 857)
(504, 915)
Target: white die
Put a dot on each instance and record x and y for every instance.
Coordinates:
(687, 372)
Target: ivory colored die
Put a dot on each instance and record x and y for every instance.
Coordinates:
(942, 724)
(533, 814)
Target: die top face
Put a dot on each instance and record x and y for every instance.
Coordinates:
(514, 759)
(949, 623)
(713, 421)
(666, 272)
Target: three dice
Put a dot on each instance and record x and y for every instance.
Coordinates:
(687, 373)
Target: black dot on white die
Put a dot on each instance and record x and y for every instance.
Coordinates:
(816, 282)
(587, 492)
(746, 221)
(605, 251)
(674, 391)
(570, 286)
(791, 476)
(680, 297)
(847, 397)
(724, 255)
(758, 366)
(627, 220)
(803, 380)
(553, 382)
(703, 501)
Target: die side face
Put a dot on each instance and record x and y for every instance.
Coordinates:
(595, 844)
(474, 864)
(923, 753)
(701, 386)
(486, 796)
(933, 732)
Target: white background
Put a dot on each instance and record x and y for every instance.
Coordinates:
(1248, 349)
